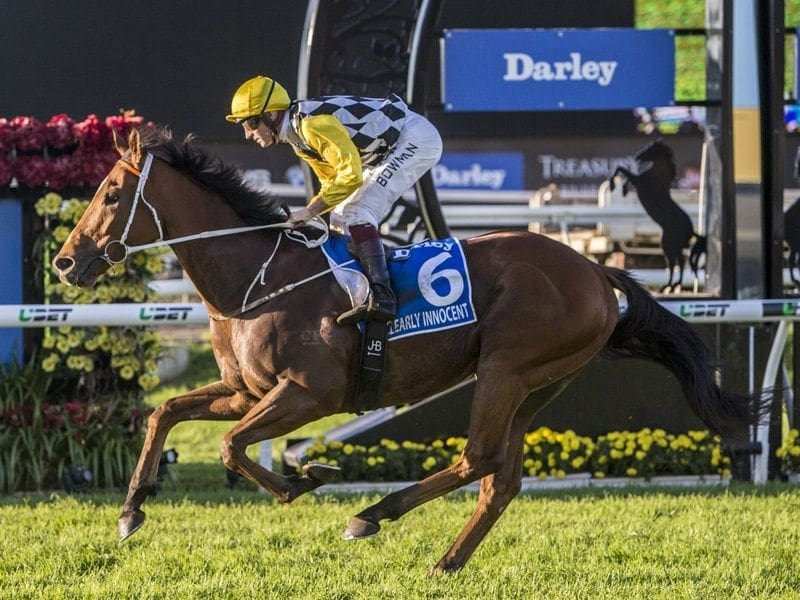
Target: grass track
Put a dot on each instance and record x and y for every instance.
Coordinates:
(240, 544)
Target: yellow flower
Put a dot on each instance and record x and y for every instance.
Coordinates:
(127, 372)
(49, 363)
(148, 381)
(348, 449)
(49, 204)
(61, 233)
(630, 472)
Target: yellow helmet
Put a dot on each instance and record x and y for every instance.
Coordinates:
(255, 96)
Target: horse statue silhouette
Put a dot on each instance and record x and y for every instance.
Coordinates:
(791, 225)
(656, 171)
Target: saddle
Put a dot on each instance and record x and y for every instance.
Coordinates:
(433, 289)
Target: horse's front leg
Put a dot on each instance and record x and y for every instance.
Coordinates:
(282, 410)
(216, 402)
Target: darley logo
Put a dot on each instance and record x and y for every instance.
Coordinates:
(480, 171)
(520, 67)
(555, 69)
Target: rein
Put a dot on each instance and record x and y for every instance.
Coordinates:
(287, 230)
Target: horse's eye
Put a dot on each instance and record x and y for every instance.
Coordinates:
(111, 198)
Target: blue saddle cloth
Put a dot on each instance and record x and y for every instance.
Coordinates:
(431, 282)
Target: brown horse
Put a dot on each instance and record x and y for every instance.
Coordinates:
(543, 310)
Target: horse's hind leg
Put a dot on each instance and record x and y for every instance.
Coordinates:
(498, 489)
(484, 454)
(673, 264)
(211, 402)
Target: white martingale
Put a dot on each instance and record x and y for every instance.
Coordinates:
(521, 67)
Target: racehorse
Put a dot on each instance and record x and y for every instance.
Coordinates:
(657, 170)
(543, 312)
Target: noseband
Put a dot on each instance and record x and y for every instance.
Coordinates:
(143, 175)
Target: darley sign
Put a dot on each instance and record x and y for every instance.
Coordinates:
(546, 69)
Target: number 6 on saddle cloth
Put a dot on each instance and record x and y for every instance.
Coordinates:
(431, 282)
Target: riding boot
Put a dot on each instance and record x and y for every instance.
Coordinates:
(381, 304)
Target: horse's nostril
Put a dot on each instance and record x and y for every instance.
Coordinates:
(63, 263)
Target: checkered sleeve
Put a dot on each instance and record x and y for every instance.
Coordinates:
(341, 172)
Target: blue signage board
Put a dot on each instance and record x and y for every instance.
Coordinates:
(10, 275)
(480, 171)
(555, 69)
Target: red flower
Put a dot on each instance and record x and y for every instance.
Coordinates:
(31, 171)
(78, 412)
(6, 170)
(17, 417)
(29, 134)
(60, 132)
(94, 165)
(60, 172)
(93, 133)
(125, 121)
(6, 137)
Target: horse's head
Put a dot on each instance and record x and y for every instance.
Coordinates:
(657, 154)
(114, 218)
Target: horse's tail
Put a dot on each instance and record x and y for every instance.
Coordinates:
(697, 251)
(648, 330)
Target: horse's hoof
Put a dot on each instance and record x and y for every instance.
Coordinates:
(359, 528)
(130, 523)
(319, 472)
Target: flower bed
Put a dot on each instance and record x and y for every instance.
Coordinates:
(789, 454)
(79, 400)
(60, 153)
(546, 454)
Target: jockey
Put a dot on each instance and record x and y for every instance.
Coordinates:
(365, 151)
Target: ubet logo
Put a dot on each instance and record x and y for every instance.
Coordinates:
(521, 66)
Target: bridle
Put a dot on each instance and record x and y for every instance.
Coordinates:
(287, 230)
(143, 174)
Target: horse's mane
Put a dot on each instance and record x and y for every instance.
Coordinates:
(257, 208)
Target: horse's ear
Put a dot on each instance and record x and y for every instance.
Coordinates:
(135, 146)
(119, 142)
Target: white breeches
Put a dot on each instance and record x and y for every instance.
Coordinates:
(418, 149)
